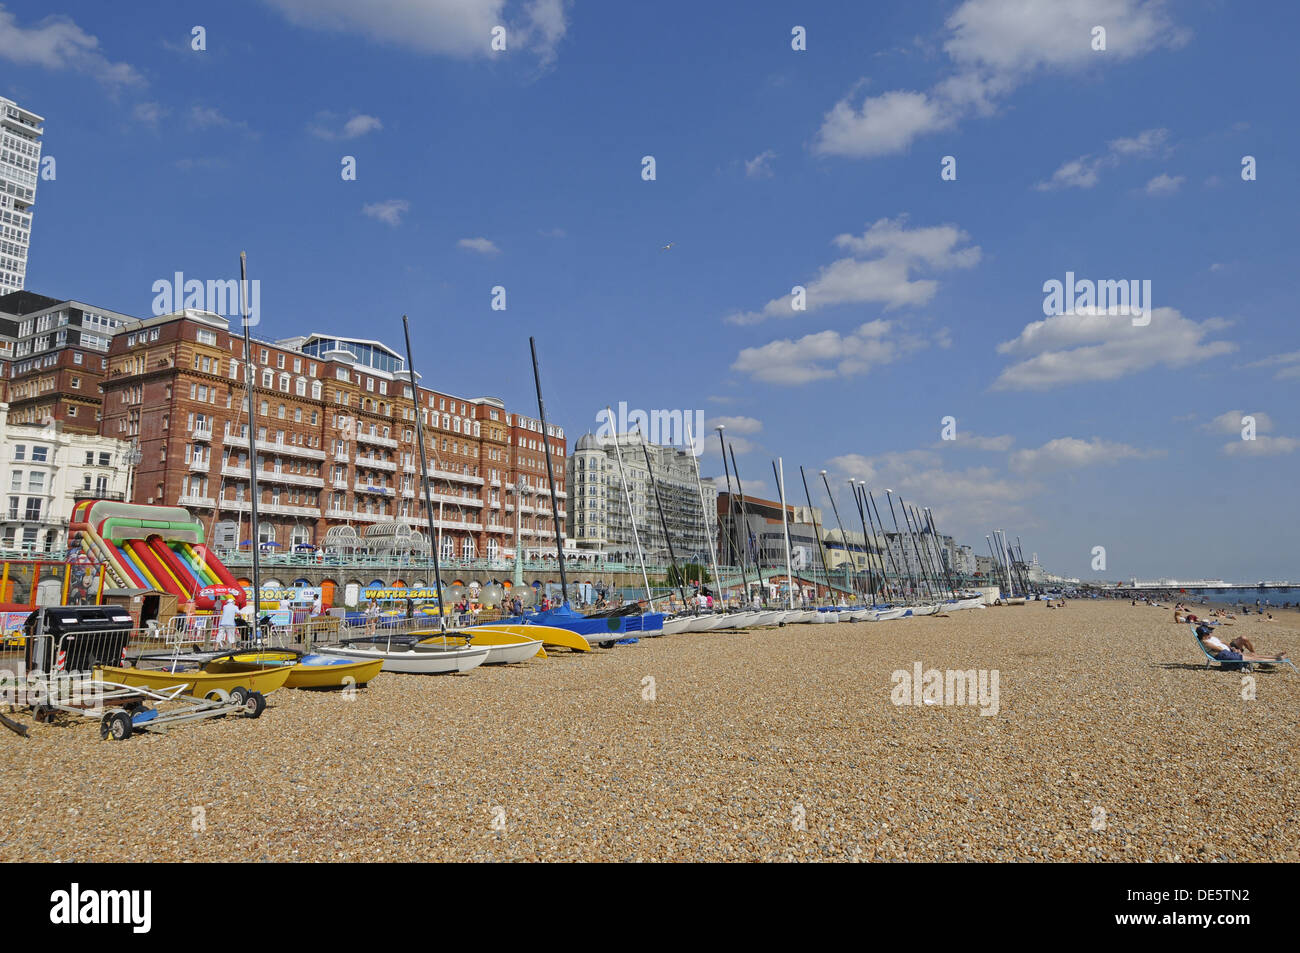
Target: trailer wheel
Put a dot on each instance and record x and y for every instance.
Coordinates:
(238, 695)
(42, 714)
(115, 725)
(217, 695)
(254, 704)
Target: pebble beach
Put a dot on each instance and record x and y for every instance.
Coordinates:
(1111, 742)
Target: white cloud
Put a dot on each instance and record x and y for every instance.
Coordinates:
(459, 28)
(57, 43)
(1230, 422)
(1071, 453)
(1084, 172)
(389, 210)
(970, 441)
(148, 113)
(484, 246)
(1288, 362)
(887, 277)
(978, 494)
(760, 167)
(993, 47)
(736, 429)
(326, 126)
(826, 354)
(881, 125)
(209, 117)
(1072, 348)
(1262, 446)
(1164, 184)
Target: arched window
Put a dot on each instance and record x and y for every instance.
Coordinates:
(265, 409)
(284, 383)
(448, 548)
(315, 390)
(268, 378)
(467, 548)
(280, 412)
(301, 387)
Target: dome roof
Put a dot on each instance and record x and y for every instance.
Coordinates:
(588, 441)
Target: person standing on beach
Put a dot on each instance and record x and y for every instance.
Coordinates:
(226, 635)
(317, 605)
(372, 617)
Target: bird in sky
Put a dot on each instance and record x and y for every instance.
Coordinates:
(668, 246)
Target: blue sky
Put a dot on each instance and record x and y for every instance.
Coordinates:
(774, 168)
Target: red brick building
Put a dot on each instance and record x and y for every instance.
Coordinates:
(335, 437)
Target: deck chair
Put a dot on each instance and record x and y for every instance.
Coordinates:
(1242, 666)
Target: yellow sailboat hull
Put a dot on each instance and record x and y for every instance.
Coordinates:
(198, 684)
(548, 634)
(300, 675)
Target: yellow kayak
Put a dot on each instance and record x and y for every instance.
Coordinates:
(198, 684)
(305, 671)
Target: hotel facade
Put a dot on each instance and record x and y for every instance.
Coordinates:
(20, 160)
(336, 446)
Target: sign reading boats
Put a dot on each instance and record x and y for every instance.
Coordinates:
(101, 907)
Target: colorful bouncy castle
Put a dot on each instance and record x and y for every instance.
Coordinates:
(152, 547)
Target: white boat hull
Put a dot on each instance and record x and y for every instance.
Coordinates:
(885, 615)
(424, 660)
(682, 623)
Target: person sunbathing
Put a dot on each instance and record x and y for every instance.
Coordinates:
(1241, 649)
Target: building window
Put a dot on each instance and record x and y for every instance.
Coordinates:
(206, 337)
(38, 454)
(20, 452)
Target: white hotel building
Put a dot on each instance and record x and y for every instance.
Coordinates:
(20, 159)
(43, 471)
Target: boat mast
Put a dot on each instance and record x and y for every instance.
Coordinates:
(631, 514)
(778, 469)
(710, 539)
(911, 576)
(550, 476)
(947, 569)
(731, 517)
(252, 442)
(821, 550)
(927, 558)
(838, 522)
(867, 540)
(663, 520)
(744, 515)
(884, 535)
(923, 576)
(434, 535)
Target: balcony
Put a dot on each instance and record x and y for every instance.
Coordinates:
(376, 440)
(457, 500)
(200, 466)
(266, 446)
(272, 509)
(498, 528)
(336, 513)
(273, 476)
(439, 524)
(459, 477)
(375, 463)
(294, 479)
(201, 433)
(205, 502)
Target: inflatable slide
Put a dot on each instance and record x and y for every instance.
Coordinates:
(152, 547)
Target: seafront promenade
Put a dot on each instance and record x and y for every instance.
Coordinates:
(1092, 732)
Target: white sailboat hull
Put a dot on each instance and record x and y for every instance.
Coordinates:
(422, 660)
